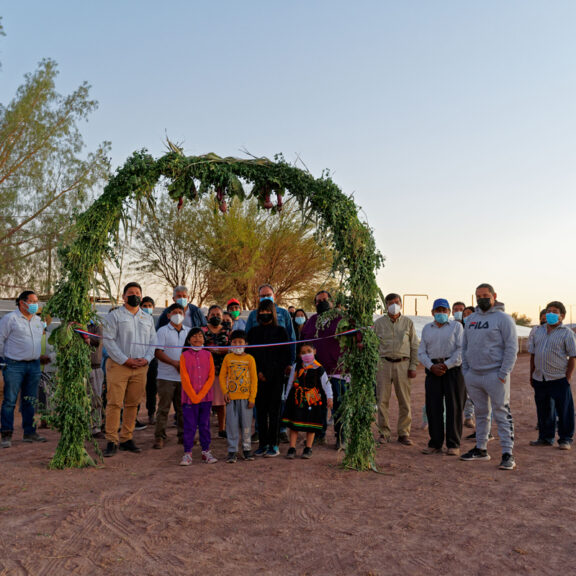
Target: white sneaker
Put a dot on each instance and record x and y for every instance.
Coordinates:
(6, 442)
(186, 459)
(207, 457)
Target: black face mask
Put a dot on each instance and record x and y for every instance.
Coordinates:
(214, 321)
(133, 300)
(226, 325)
(322, 306)
(265, 318)
(484, 304)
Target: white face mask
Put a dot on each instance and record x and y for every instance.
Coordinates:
(177, 319)
(238, 351)
(394, 309)
(196, 348)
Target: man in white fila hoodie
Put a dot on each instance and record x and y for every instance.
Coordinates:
(489, 350)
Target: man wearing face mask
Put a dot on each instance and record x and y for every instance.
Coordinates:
(193, 317)
(457, 309)
(130, 339)
(440, 352)
(328, 353)
(266, 292)
(20, 349)
(171, 340)
(489, 351)
(398, 350)
(553, 356)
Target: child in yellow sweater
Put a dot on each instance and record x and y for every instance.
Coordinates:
(239, 382)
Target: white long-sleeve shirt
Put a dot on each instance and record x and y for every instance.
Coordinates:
(128, 335)
(20, 338)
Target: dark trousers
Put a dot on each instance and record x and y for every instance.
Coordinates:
(554, 397)
(151, 387)
(268, 408)
(449, 391)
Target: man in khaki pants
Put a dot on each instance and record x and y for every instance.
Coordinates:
(398, 352)
(129, 339)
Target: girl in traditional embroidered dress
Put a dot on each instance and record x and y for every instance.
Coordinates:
(197, 375)
(308, 390)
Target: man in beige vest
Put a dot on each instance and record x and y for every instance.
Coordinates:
(398, 352)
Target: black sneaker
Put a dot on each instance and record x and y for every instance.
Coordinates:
(222, 434)
(111, 449)
(291, 454)
(284, 438)
(139, 426)
(307, 453)
(129, 446)
(255, 437)
(33, 438)
(247, 455)
(507, 462)
(231, 458)
(475, 454)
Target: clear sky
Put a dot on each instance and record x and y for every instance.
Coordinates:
(453, 123)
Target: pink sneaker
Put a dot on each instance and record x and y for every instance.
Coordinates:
(186, 459)
(207, 457)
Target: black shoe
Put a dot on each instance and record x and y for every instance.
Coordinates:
(222, 434)
(284, 438)
(139, 426)
(291, 454)
(255, 437)
(111, 449)
(231, 458)
(541, 442)
(129, 446)
(247, 455)
(307, 453)
(33, 438)
(319, 440)
(475, 454)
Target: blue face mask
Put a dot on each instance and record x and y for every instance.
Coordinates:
(299, 320)
(262, 298)
(148, 310)
(182, 302)
(441, 318)
(552, 318)
(32, 308)
(457, 315)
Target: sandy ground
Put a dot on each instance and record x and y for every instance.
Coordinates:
(143, 514)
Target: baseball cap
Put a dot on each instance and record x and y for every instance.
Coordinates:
(440, 303)
(232, 301)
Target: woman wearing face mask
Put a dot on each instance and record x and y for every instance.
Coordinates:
(271, 364)
(299, 320)
(217, 335)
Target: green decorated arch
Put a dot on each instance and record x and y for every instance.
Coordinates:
(187, 179)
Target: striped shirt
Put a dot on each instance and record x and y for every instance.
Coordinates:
(551, 352)
(441, 342)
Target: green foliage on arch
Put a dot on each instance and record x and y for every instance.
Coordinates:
(189, 177)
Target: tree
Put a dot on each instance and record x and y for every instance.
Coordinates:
(44, 180)
(219, 256)
(249, 247)
(521, 320)
(168, 247)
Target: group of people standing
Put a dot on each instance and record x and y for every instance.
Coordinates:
(218, 364)
(468, 362)
(285, 369)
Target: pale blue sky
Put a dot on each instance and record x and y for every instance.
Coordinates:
(452, 122)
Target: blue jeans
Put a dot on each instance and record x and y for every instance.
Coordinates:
(23, 377)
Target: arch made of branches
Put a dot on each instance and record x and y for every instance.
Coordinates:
(187, 179)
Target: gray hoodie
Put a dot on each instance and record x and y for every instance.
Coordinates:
(490, 343)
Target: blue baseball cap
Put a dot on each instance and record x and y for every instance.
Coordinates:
(440, 303)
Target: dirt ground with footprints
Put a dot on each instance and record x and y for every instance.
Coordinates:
(142, 514)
